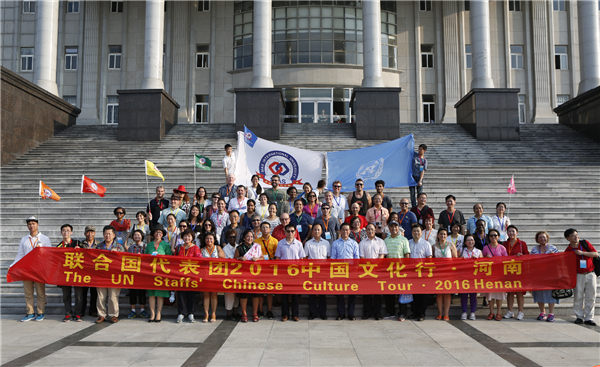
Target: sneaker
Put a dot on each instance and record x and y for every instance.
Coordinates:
(509, 315)
(67, 318)
(40, 317)
(179, 318)
(578, 321)
(472, 316)
(590, 322)
(77, 318)
(270, 315)
(541, 317)
(520, 316)
(191, 318)
(463, 316)
(132, 315)
(28, 317)
(550, 317)
(143, 314)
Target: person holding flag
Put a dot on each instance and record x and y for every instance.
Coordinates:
(28, 243)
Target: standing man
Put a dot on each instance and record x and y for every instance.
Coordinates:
(173, 209)
(110, 295)
(229, 160)
(360, 196)
(345, 248)
(451, 215)
(398, 248)
(156, 205)
(478, 215)
(585, 290)
(339, 200)
(406, 218)
(330, 225)
(234, 219)
(336, 213)
(275, 195)
(229, 190)
(268, 245)
(279, 231)
(289, 249)
(386, 201)
(422, 211)
(89, 242)
(66, 230)
(419, 167)
(28, 243)
(372, 247)
(240, 202)
(302, 221)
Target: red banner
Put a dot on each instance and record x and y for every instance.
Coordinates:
(100, 268)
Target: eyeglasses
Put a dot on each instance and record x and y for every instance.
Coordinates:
(183, 226)
(120, 213)
(403, 203)
(325, 208)
(359, 184)
(256, 220)
(493, 235)
(289, 231)
(338, 186)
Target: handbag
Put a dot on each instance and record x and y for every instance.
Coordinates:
(595, 260)
(562, 293)
(405, 298)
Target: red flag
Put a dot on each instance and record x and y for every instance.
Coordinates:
(89, 185)
(511, 187)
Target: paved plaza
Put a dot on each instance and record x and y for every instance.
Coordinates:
(315, 343)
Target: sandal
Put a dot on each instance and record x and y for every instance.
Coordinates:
(244, 318)
(438, 317)
(498, 317)
(255, 318)
(446, 318)
(491, 316)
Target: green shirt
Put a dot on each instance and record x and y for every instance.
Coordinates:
(277, 197)
(163, 248)
(397, 247)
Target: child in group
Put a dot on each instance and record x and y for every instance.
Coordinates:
(469, 251)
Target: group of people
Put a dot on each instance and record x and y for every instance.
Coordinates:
(252, 224)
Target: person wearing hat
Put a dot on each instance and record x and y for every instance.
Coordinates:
(398, 248)
(88, 242)
(66, 230)
(185, 198)
(172, 209)
(28, 243)
(155, 248)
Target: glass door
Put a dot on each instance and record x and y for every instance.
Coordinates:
(307, 112)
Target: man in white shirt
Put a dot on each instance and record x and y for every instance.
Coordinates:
(229, 160)
(339, 201)
(28, 243)
(372, 247)
(240, 202)
(289, 248)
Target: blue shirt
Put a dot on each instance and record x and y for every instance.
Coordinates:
(178, 213)
(406, 221)
(472, 224)
(347, 249)
(419, 164)
(304, 221)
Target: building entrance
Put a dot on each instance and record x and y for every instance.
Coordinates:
(317, 105)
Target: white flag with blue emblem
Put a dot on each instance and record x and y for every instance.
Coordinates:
(257, 156)
(390, 162)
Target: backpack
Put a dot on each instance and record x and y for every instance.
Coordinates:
(595, 260)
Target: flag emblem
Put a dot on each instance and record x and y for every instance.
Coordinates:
(47, 193)
(201, 161)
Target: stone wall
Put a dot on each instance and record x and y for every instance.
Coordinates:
(30, 115)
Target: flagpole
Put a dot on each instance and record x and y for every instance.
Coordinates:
(39, 199)
(194, 171)
(147, 190)
(510, 196)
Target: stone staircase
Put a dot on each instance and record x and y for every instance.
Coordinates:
(555, 168)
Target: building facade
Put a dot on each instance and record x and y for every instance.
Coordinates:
(319, 51)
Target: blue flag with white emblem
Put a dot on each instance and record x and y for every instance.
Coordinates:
(249, 137)
(390, 162)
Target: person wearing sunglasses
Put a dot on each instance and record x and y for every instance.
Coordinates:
(289, 249)
(121, 225)
(339, 200)
(301, 220)
(360, 196)
(494, 249)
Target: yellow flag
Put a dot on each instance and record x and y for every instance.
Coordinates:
(151, 170)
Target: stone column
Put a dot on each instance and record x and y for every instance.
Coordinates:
(46, 43)
(589, 44)
(153, 45)
(480, 44)
(261, 48)
(372, 44)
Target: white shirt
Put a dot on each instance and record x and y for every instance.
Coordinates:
(263, 211)
(317, 250)
(240, 205)
(500, 226)
(372, 249)
(229, 251)
(28, 243)
(340, 202)
(419, 250)
(290, 251)
(229, 162)
(430, 236)
(476, 253)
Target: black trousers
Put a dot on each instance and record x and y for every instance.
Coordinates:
(137, 297)
(341, 306)
(390, 304)
(317, 305)
(285, 305)
(68, 300)
(420, 303)
(93, 310)
(372, 305)
(185, 302)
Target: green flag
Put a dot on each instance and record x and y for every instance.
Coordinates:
(202, 162)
